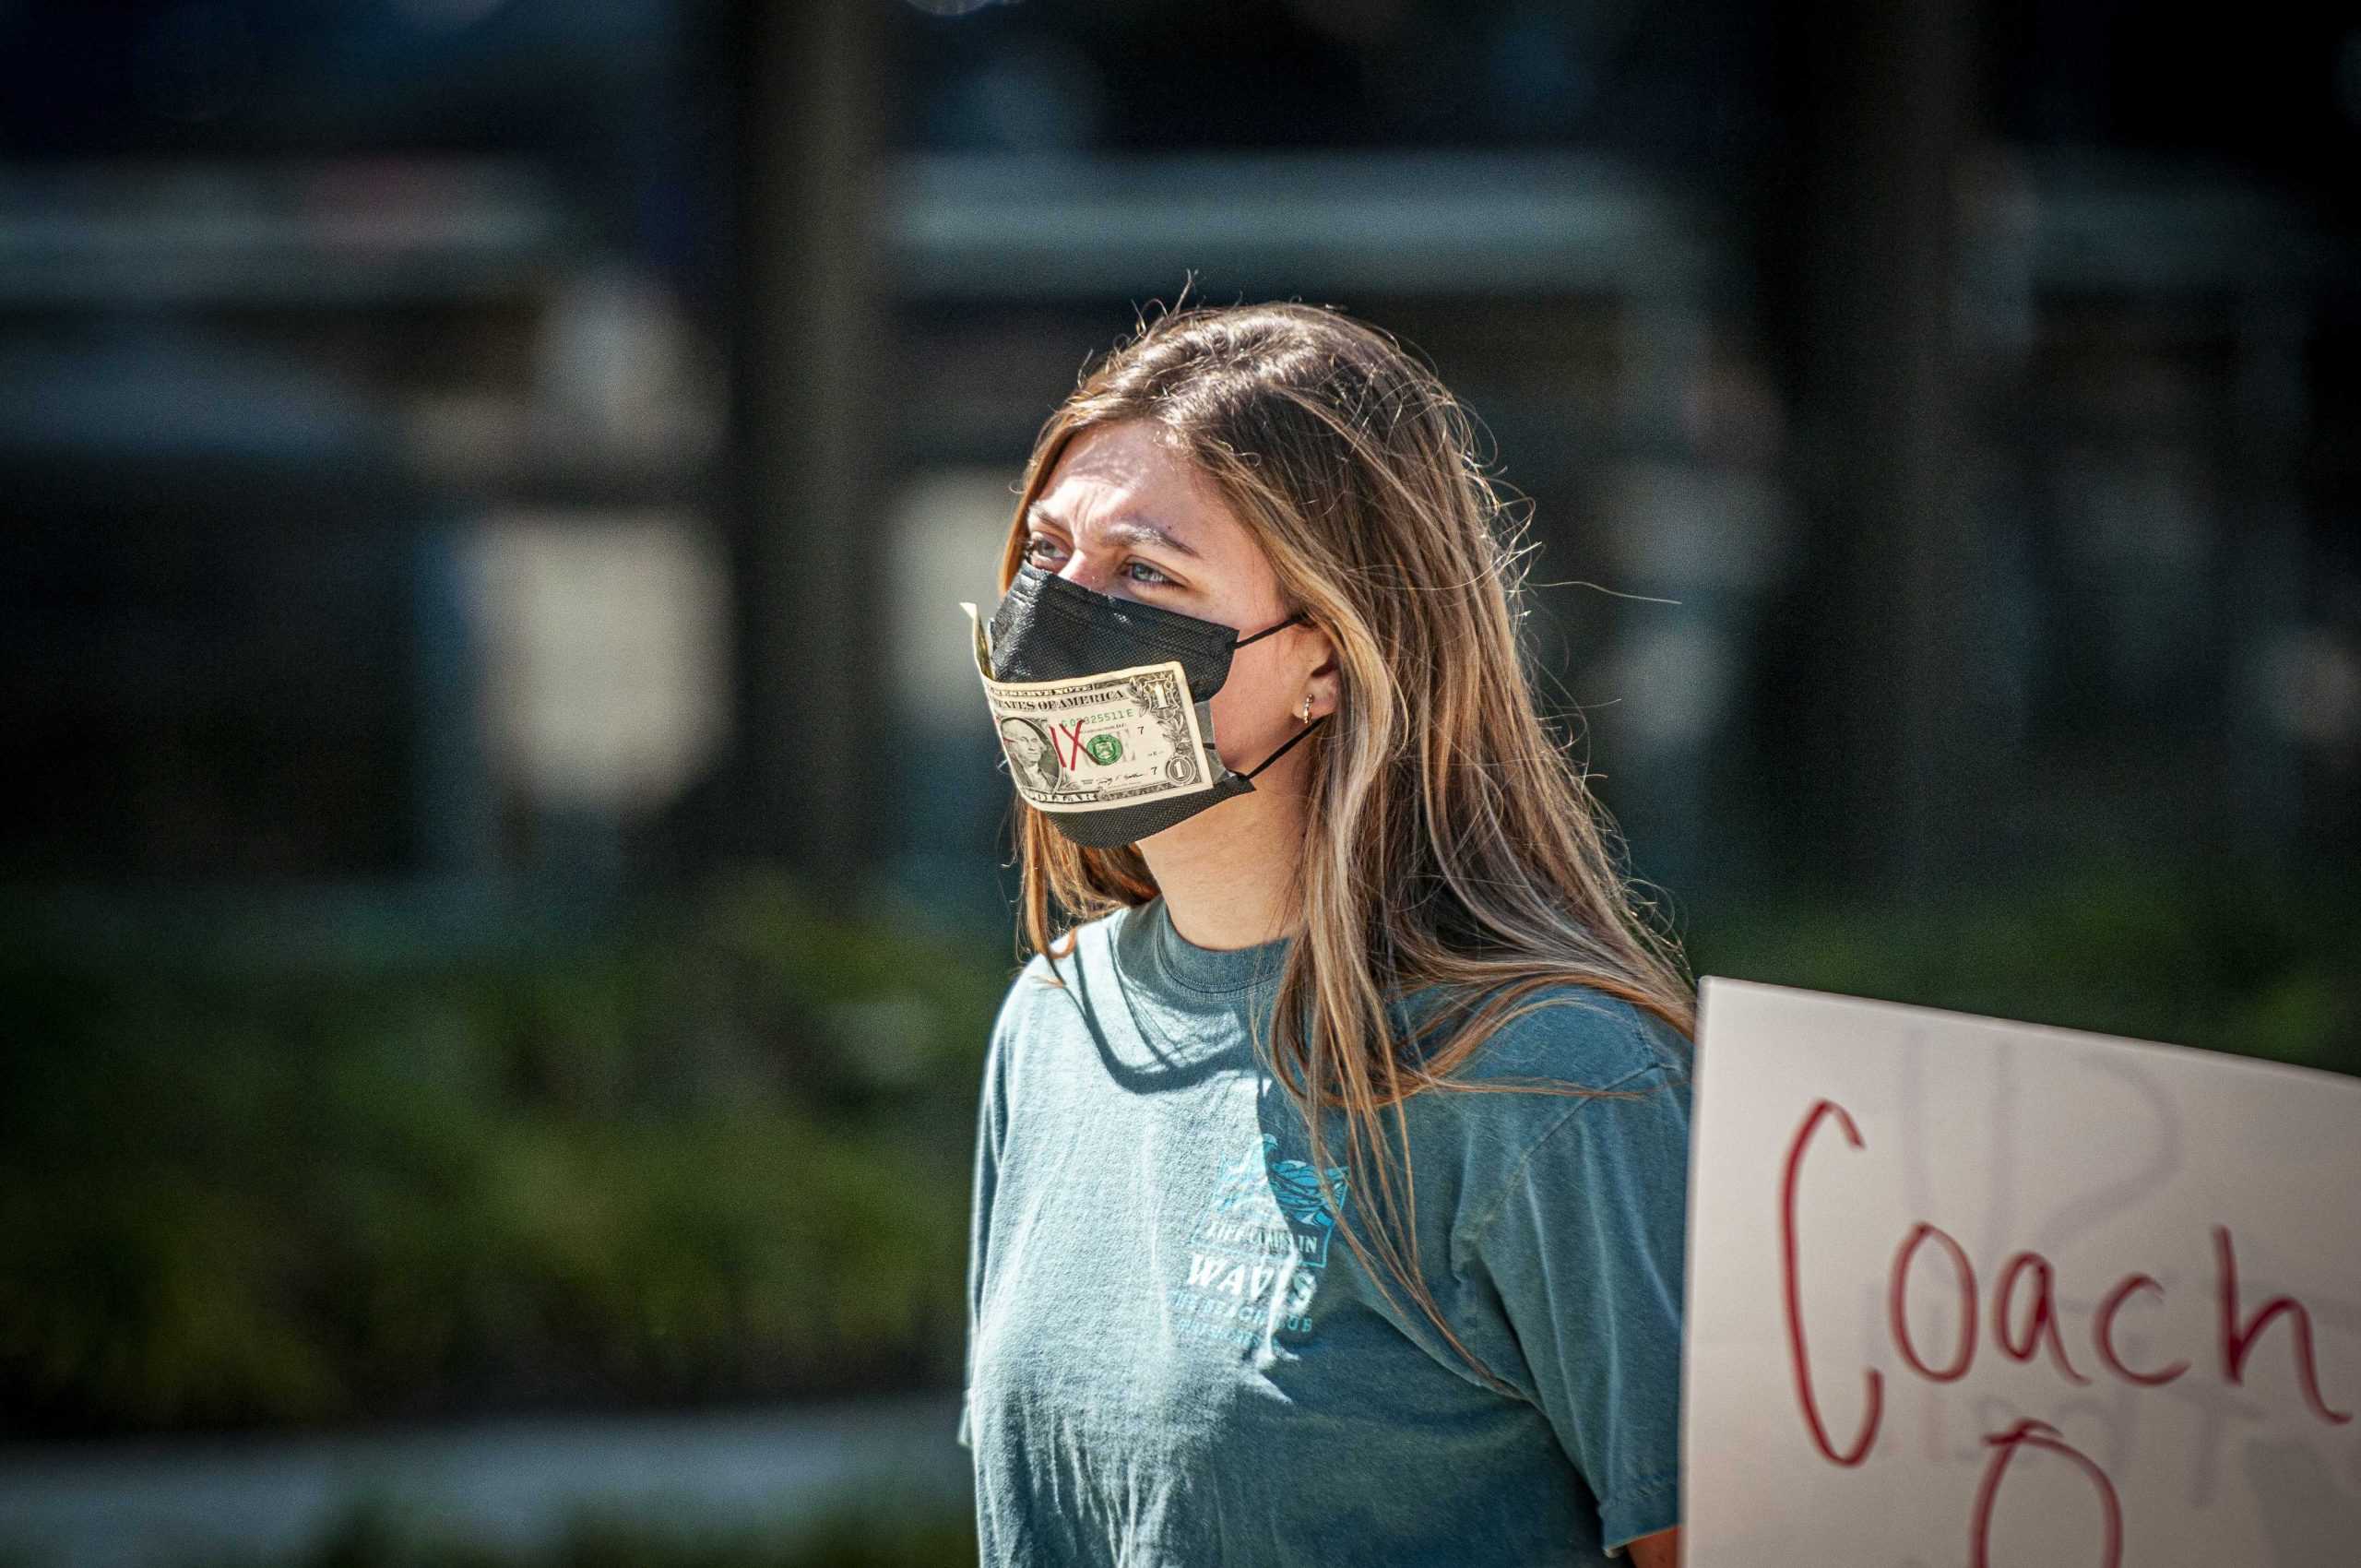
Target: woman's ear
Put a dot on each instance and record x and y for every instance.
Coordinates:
(1326, 681)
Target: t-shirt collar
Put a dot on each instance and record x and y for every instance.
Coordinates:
(1151, 942)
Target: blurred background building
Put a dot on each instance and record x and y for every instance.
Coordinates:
(489, 485)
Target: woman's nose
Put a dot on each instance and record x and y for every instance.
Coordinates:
(1086, 571)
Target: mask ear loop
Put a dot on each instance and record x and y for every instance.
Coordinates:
(1291, 740)
(1268, 630)
(1299, 734)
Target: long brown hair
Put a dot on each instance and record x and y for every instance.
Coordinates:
(1451, 840)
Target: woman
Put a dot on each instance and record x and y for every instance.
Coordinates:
(1330, 1170)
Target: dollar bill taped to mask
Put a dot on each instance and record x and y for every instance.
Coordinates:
(1114, 738)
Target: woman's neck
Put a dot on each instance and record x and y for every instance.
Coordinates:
(1224, 872)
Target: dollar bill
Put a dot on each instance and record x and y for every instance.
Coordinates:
(1113, 739)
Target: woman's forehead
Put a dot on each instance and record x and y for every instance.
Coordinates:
(1125, 484)
(1128, 479)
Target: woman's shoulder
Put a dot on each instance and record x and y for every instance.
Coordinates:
(1033, 987)
(1061, 980)
(1537, 1126)
(1561, 1032)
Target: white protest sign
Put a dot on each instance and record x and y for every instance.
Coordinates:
(1971, 1294)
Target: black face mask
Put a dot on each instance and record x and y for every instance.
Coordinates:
(1105, 707)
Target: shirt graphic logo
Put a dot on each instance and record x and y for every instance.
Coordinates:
(1257, 1254)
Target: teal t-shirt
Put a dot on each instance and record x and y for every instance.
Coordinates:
(1174, 1360)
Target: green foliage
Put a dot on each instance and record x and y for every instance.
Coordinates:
(724, 1153)
(2226, 966)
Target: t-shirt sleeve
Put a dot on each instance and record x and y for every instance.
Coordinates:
(1585, 1249)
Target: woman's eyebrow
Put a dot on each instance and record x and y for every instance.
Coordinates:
(1127, 528)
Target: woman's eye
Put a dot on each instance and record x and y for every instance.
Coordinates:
(1139, 572)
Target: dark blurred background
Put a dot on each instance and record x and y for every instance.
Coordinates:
(509, 879)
